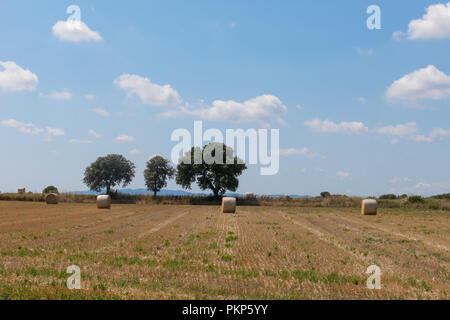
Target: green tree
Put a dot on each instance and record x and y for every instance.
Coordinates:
(214, 167)
(106, 172)
(50, 189)
(157, 173)
(325, 194)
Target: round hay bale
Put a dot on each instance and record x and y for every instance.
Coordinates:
(228, 205)
(104, 202)
(250, 195)
(369, 207)
(51, 198)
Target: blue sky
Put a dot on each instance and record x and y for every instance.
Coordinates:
(366, 111)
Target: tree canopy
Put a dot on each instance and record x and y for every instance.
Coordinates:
(110, 171)
(214, 167)
(157, 173)
(50, 189)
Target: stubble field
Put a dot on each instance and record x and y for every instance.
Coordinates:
(197, 252)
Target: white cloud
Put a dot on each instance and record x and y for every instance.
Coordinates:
(148, 92)
(327, 126)
(425, 83)
(423, 185)
(434, 24)
(363, 52)
(75, 31)
(89, 96)
(263, 109)
(15, 78)
(342, 174)
(57, 132)
(135, 152)
(294, 151)
(57, 95)
(125, 138)
(361, 100)
(398, 180)
(101, 112)
(28, 128)
(94, 134)
(76, 141)
(409, 131)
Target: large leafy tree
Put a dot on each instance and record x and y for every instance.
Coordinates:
(110, 171)
(157, 173)
(214, 167)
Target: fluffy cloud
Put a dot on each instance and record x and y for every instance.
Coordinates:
(124, 138)
(409, 131)
(14, 78)
(135, 152)
(94, 134)
(101, 112)
(89, 96)
(148, 92)
(30, 128)
(75, 31)
(425, 83)
(342, 174)
(294, 151)
(57, 95)
(76, 141)
(327, 126)
(263, 109)
(434, 24)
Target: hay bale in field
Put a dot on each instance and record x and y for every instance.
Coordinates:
(21, 191)
(51, 198)
(250, 195)
(104, 202)
(369, 207)
(228, 205)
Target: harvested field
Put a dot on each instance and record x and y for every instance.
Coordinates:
(196, 252)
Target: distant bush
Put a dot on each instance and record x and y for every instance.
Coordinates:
(388, 196)
(416, 199)
(403, 196)
(325, 194)
(442, 196)
(50, 189)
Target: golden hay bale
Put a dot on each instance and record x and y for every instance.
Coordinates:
(51, 198)
(104, 202)
(228, 205)
(369, 207)
(21, 191)
(250, 195)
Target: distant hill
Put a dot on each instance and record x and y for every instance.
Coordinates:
(166, 192)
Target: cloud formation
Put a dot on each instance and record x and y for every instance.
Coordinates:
(124, 138)
(30, 128)
(264, 109)
(148, 92)
(410, 131)
(434, 24)
(327, 126)
(294, 151)
(57, 95)
(101, 112)
(425, 83)
(15, 78)
(75, 31)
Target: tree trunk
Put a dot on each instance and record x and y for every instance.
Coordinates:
(154, 195)
(108, 189)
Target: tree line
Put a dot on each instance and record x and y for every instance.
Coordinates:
(115, 170)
